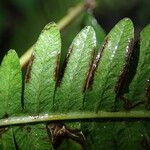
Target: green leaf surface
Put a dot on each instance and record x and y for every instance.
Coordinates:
(90, 20)
(112, 59)
(137, 88)
(88, 88)
(32, 137)
(70, 144)
(69, 96)
(10, 85)
(41, 77)
(131, 136)
(135, 135)
(6, 139)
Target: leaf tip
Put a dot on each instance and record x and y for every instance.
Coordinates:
(89, 28)
(11, 51)
(50, 25)
(146, 30)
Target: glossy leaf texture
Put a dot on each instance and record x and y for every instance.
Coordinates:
(138, 87)
(42, 71)
(39, 88)
(10, 85)
(10, 95)
(69, 95)
(87, 83)
(110, 64)
(85, 19)
(90, 20)
(135, 134)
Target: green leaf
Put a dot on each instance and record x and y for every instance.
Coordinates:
(131, 136)
(135, 133)
(68, 35)
(110, 63)
(6, 139)
(65, 102)
(90, 20)
(69, 96)
(32, 137)
(10, 85)
(112, 59)
(137, 88)
(40, 85)
(70, 144)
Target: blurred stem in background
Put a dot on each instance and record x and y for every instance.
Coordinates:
(63, 23)
(76, 19)
(21, 21)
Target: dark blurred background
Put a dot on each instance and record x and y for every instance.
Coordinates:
(22, 20)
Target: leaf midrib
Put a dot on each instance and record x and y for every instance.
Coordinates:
(75, 116)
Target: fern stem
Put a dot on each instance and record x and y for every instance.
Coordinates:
(63, 23)
(75, 116)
